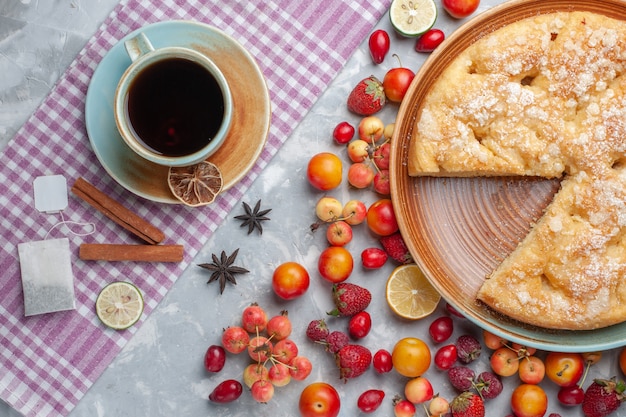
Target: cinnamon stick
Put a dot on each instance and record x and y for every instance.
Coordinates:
(117, 212)
(121, 252)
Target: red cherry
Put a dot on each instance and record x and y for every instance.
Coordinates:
(343, 133)
(382, 361)
(396, 83)
(441, 329)
(571, 396)
(403, 408)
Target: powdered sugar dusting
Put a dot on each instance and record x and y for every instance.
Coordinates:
(544, 96)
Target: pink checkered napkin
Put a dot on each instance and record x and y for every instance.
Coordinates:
(48, 362)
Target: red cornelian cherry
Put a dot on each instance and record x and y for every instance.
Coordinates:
(215, 358)
(382, 361)
(360, 325)
(446, 357)
(379, 43)
(370, 400)
(441, 329)
(373, 258)
(227, 391)
(454, 311)
(429, 41)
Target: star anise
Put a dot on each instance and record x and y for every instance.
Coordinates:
(253, 217)
(223, 269)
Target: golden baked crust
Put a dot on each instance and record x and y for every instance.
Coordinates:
(510, 103)
(568, 272)
(545, 96)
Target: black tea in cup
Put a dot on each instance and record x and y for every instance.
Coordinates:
(175, 106)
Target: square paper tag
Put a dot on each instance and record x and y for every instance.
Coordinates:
(50, 192)
(47, 277)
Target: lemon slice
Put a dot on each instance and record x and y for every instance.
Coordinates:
(412, 17)
(119, 305)
(195, 185)
(409, 294)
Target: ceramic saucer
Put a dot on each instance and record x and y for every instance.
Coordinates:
(247, 135)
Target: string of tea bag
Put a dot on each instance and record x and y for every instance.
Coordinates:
(89, 227)
(46, 265)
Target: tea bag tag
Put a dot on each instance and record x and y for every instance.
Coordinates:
(50, 192)
(47, 278)
(46, 266)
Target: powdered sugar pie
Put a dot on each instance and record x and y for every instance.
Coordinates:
(544, 96)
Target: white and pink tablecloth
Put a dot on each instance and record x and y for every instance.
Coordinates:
(48, 362)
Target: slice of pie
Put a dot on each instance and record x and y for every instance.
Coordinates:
(568, 272)
(545, 96)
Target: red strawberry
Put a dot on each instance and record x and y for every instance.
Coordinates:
(317, 330)
(396, 248)
(353, 360)
(467, 404)
(468, 348)
(488, 385)
(367, 97)
(461, 377)
(336, 340)
(603, 397)
(349, 299)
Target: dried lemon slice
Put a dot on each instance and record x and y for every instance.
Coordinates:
(409, 294)
(119, 305)
(195, 185)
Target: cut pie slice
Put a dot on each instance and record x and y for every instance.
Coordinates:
(568, 272)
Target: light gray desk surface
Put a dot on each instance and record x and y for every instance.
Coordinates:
(160, 371)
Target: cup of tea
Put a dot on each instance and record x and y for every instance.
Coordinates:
(172, 105)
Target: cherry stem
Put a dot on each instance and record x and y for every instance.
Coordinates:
(560, 373)
(398, 58)
(582, 381)
(274, 361)
(314, 226)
